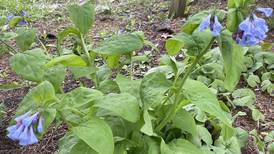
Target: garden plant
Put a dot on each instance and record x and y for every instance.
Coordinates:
(176, 108)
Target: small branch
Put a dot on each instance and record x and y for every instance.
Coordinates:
(9, 46)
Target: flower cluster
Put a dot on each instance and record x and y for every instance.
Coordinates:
(23, 22)
(253, 29)
(23, 131)
(213, 24)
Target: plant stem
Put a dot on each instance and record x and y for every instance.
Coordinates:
(9, 46)
(86, 50)
(172, 111)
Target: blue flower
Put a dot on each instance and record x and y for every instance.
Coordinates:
(251, 31)
(20, 118)
(22, 22)
(28, 137)
(29, 120)
(267, 11)
(23, 130)
(9, 17)
(24, 13)
(40, 125)
(15, 132)
(212, 23)
(205, 24)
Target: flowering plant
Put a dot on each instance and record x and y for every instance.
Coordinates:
(166, 111)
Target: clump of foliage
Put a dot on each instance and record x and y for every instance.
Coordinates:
(167, 111)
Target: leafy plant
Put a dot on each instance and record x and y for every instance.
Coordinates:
(166, 111)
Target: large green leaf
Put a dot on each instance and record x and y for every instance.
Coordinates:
(38, 97)
(56, 75)
(180, 146)
(153, 89)
(185, 122)
(78, 72)
(200, 95)
(124, 105)
(108, 86)
(62, 35)
(234, 18)
(233, 56)
(78, 101)
(66, 143)
(177, 42)
(25, 37)
(97, 134)
(29, 64)
(244, 97)
(120, 44)
(129, 86)
(67, 60)
(81, 96)
(82, 148)
(82, 16)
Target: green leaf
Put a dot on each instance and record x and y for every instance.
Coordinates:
(25, 37)
(182, 118)
(203, 39)
(29, 64)
(82, 148)
(203, 98)
(234, 18)
(103, 73)
(82, 16)
(78, 101)
(270, 147)
(193, 22)
(108, 86)
(66, 143)
(180, 146)
(147, 128)
(233, 56)
(242, 136)
(253, 80)
(56, 75)
(49, 116)
(124, 105)
(244, 97)
(113, 61)
(14, 21)
(227, 132)
(231, 146)
(268, 86)
(204, 135)
(269, 137)
(257, 115)
(37, 98)
(7, 36)
(78, 72)
(152, 90)
(120, 45)
(97, 134)
(62, 35)
(177, 42)
(67, 60)
(129, 86)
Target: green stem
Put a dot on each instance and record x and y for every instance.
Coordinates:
(172, 111)
(86, 50)
(131, 67)
(12, 49)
